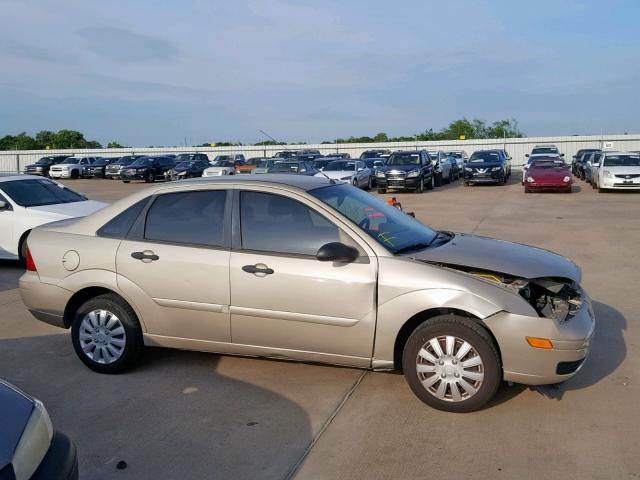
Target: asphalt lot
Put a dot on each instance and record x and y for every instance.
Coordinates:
(193, 415)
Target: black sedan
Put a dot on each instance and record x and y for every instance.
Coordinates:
(29, 446)
(148, 169)
(410, 170)
(187, 169)
(42, 166)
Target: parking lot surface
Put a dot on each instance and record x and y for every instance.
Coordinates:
(194, 415)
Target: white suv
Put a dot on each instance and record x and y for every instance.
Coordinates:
(71, 168)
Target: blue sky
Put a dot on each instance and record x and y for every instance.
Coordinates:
(152, 73)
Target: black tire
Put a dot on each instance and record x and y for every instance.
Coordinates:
(438, 180)
(370, 184)
(526, 190)
(431, 183)
(382, 190)
(593, 184)
(75, 174)
(355, 183)
(468, 331)
(149, 178)
(420, 187)
(134, 344)
(466, 184)
(601, 190)
(22, 248)
(126, 181)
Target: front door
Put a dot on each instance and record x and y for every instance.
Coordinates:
(176, 263)
(284, 298)
(7, 220)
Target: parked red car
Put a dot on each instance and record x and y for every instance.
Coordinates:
(548, 174)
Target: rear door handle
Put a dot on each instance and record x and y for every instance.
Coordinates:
(258, 268)
(146, 256)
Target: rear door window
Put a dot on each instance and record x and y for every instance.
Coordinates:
(189, 218)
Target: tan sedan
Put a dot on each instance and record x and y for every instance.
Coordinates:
(299, 267)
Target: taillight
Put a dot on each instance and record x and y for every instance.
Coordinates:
(31, 265)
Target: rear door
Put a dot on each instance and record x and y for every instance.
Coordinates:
(175, 264)
(283, 297)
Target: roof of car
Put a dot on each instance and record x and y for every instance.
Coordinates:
(8, 177)
(304, 182)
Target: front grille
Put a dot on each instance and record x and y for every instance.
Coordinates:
(567, 368)
(629, 176)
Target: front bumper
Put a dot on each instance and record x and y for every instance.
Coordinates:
(547, 185)
(60, 174)
(396, 183)
(60, 461)
(522, 363)
(483, 178)
(615, 183)
(35, 171)
(132, 176)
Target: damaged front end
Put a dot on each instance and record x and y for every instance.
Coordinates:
(556, 298)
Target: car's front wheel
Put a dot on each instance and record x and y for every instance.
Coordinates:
(452, 364)
(106, 334)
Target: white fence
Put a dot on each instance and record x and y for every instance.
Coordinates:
(12, 161)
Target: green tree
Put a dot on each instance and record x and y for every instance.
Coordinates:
(114, 145)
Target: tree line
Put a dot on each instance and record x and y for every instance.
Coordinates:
(458, 129)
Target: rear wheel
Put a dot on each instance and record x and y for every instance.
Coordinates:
(106, 334)
(149, 177)
(452, 364)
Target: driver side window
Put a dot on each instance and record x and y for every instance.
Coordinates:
(278, 224)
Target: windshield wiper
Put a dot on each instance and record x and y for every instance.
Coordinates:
(423, 245)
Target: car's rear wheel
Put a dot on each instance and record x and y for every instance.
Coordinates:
(106, 334)
(452, 364)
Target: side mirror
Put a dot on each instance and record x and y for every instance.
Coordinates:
(562, 154)
(4, 205)
(337, 252)
(360, 169)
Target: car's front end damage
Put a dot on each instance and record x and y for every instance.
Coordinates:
(549, 343)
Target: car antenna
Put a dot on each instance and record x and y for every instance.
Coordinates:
(331, 180)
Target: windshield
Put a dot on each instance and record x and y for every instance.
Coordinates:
(184, 165)
(285, 167)
(404, 159)
(454, 154)
(38, 192)
(538, 150)
(221, 158)
(183, 157)
(340, 165)
(263, 164)
(484, 157)
(548, 164)
(374, 153)
(387, 225)
(223, 163)
(71, 161)
(45, 161)
(142, 162)
(621, 161)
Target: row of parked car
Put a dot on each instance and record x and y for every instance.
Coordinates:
(414, 170)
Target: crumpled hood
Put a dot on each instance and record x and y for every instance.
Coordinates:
(68, 210)
(501, 256)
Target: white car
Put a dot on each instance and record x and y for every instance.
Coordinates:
(618, 171)
(72, 167)
(441, 167)
(537, 156)
(354, 172)
(220, 168)
(27, 201)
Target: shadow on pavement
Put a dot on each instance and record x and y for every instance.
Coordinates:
(10, 272)
(172, 417)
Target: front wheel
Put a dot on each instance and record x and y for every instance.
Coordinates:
(369, 184)
(420, 187)
(451, 363)
(106, 334)
(431, 184)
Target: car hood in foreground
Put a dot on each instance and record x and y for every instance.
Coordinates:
(68, 210)
(501, 256)
(15, 410)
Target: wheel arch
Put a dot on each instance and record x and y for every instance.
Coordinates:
(416, 320)
(87, 293)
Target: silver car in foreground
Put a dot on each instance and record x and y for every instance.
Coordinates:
(298, 267)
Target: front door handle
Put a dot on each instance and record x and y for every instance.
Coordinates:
(258, 268)
(146, 256)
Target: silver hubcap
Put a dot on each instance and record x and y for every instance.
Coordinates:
(102, 336)
(449, 368)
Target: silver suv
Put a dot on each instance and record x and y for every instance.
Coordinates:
(299, 267)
